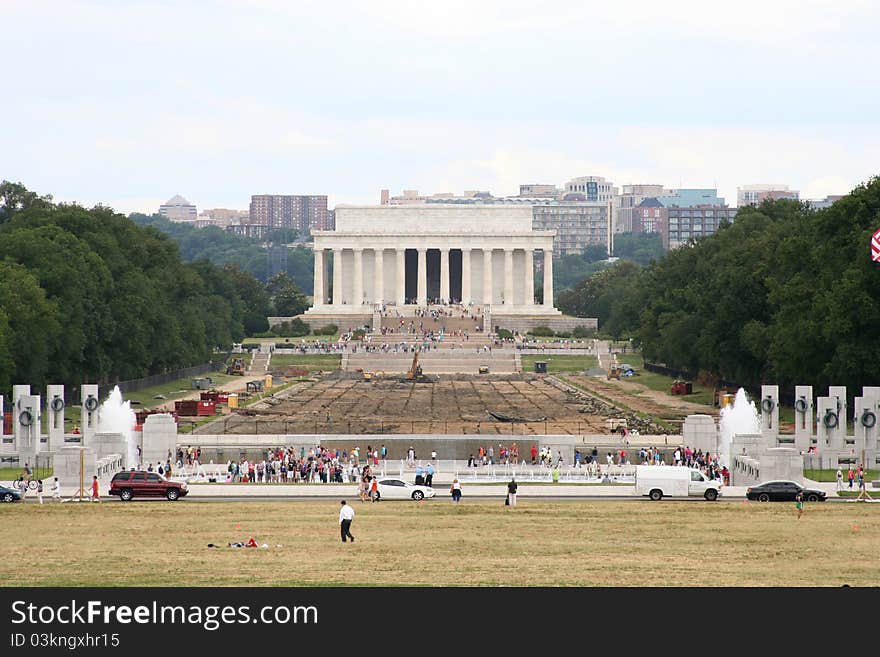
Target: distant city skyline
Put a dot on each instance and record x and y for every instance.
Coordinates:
(127, 104)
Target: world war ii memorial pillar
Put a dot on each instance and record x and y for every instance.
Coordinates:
(770, 415)
(865, 414)
(27, 421)
(55, 410)
(89, 422)
(803, 417)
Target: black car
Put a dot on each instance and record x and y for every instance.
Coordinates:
(9, 494)
(783, 491)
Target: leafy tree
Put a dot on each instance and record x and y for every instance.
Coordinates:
(15, 197)
(88, 295)
(638, 247)
(286, 299)
(29, 326)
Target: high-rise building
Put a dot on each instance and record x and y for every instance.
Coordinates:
(630, 197)
(578, 224)
(756, 194)
(178, 208)
(539, 191)
(692, 213)
(303, 213)
(826, 202)
(649, 216)
(222, 217)
(594, 189)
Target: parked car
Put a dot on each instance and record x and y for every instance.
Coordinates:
(783, 491)
(139, 483)
(397, 489)
(9, 494)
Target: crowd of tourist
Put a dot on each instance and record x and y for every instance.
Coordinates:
(315, 465)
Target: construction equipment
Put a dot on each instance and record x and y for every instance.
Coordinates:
(484, 369)
(368, 376)
(236, 367)
(415, 372)
(614, 372)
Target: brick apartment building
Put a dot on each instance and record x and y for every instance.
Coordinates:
(302, 213)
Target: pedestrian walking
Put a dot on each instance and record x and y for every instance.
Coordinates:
(839, 479)
(40, 490)
(511, 492)
(455, 490)
(799, 503)
(95, 497)
(56, 490)
(374, 489)
(346, 515)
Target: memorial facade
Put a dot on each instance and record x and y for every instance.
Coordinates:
(404, 256)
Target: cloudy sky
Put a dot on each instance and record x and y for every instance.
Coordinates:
(127, 102)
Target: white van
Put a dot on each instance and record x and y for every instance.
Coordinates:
(657, 481)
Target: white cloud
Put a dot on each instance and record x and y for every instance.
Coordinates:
(134, 101)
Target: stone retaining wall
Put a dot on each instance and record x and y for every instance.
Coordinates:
(558, 324)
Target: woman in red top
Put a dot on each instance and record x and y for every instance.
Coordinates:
(95, 497)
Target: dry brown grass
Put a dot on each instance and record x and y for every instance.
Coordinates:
(580, 543)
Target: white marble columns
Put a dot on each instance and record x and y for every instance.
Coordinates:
(444, 275)
(400, 277)
(487, 276)
(384, 273)
(530, 278)
(508, 277)
(548, 278)
(466, 294)
(337, 277)
(379, 276)
(358, 292)
(318, 293)
(422, 274)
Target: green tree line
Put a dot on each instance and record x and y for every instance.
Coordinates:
(88, 295)
(785, 294)
(570, 270)
(223, 248)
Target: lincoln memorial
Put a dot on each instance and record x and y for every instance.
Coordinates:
(408, 256)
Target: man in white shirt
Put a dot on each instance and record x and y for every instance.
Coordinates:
(346, 515)
(56, 490)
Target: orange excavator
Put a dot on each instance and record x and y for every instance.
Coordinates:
(415, 373)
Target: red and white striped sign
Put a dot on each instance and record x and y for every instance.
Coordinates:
(875, 247)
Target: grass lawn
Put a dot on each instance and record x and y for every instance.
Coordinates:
(873, 492)
(557, 364)
(173, 390)
(831, 475)
(631, 358)
(11, 474)
(435, 543)
(701, 394)
(311, 362)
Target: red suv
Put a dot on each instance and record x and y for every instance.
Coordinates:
(139, 483)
